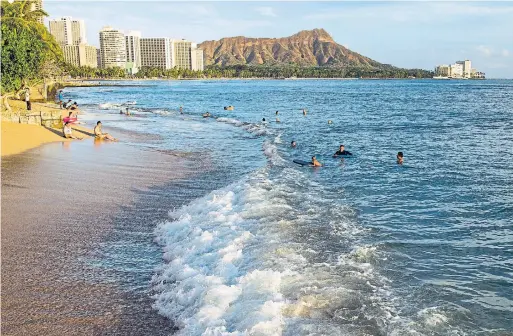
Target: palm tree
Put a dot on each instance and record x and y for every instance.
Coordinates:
(22, 9)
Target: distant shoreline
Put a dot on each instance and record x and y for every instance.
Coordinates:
(102, 81)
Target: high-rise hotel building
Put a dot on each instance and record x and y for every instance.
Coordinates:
(68, 31)
(71, 36)
(112, 48)
(156, 52)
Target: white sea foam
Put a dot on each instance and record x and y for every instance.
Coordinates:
(256, 129)
(251, 259)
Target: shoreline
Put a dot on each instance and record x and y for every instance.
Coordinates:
(52, 278)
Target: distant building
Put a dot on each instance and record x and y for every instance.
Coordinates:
(456, 70)
(443, 71)
(478, 75)
(197, 59)
(182, 56)
(68, 31)
(71, 36)
(460, 69)
(467, 68)
(81, 55)
(99, 58)
(133, 52)
(112, 48)
(156, 52)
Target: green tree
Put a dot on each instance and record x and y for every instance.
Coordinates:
(28, 49)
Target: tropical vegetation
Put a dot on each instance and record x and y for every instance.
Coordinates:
(248, 71)
(29, 52)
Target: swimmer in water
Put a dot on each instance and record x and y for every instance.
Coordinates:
(293, 144)
(263, 120)
(342, 152)
(316, 163)
(330, 122)
(276, 112)
(400, 158)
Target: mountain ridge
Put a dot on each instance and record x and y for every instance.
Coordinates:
(314, 47)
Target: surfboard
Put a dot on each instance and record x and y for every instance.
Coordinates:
(303, 163)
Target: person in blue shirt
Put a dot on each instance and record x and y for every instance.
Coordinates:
(342, 152)
(60, 98)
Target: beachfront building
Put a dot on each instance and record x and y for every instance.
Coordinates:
(156, 52)
(182, 54)
(460, 69)
(71, 36)
(81, 55)
(112, 48)
(68, 31)
(443, 70)
(467, 68)
(133, 52)
(456, 70)
(99, 58)
(197, 59)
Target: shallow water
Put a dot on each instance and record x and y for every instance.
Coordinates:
(361, 246)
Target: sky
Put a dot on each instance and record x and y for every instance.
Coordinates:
(408, 34)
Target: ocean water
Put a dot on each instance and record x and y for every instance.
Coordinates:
(361, 246)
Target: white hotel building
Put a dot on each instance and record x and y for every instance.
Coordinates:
(112, 48)
(460, 69)
(71, 36)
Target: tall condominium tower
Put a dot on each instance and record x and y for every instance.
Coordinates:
(197, 58)
(156, 52)
(182, 54)
(112, 48)
(68, 31)
(71, 36)
(133, 51)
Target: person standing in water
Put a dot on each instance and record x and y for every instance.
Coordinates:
(181, 110)
(316, 163)
(304, 112)
(400, 158)
(342, 152)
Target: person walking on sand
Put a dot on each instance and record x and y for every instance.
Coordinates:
(27, 99)
(99, 133)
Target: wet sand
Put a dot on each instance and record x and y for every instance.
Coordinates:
(72, 215)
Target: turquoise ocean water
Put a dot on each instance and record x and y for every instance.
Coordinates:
(361, 246)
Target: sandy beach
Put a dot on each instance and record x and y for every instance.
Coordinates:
(61, 204)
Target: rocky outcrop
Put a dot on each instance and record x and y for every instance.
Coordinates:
(306, 48)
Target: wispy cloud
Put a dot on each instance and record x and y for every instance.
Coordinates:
(491, 52)
(265, 11)
(484, 50)
(412, 12)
